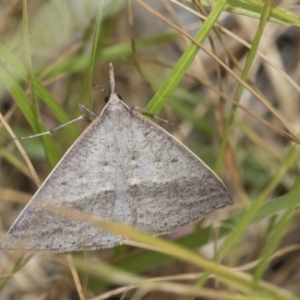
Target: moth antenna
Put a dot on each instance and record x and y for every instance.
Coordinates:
(111, 80)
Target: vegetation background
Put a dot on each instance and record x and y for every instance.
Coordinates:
(231, 84)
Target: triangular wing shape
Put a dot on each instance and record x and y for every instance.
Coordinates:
(123, 168)
(174, 186)
(83, 180)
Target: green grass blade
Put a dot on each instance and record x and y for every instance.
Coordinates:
(274, 239)
(50, 151)
(97, 27)
(24, 103)
(240, 88)
(148, 260)
(177, 73)
(20, 71)
(254, 9)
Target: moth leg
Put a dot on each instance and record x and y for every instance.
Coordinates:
(51, 131)
(152, 116)
(85, 110)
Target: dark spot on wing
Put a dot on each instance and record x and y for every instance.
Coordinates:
(174, 160)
